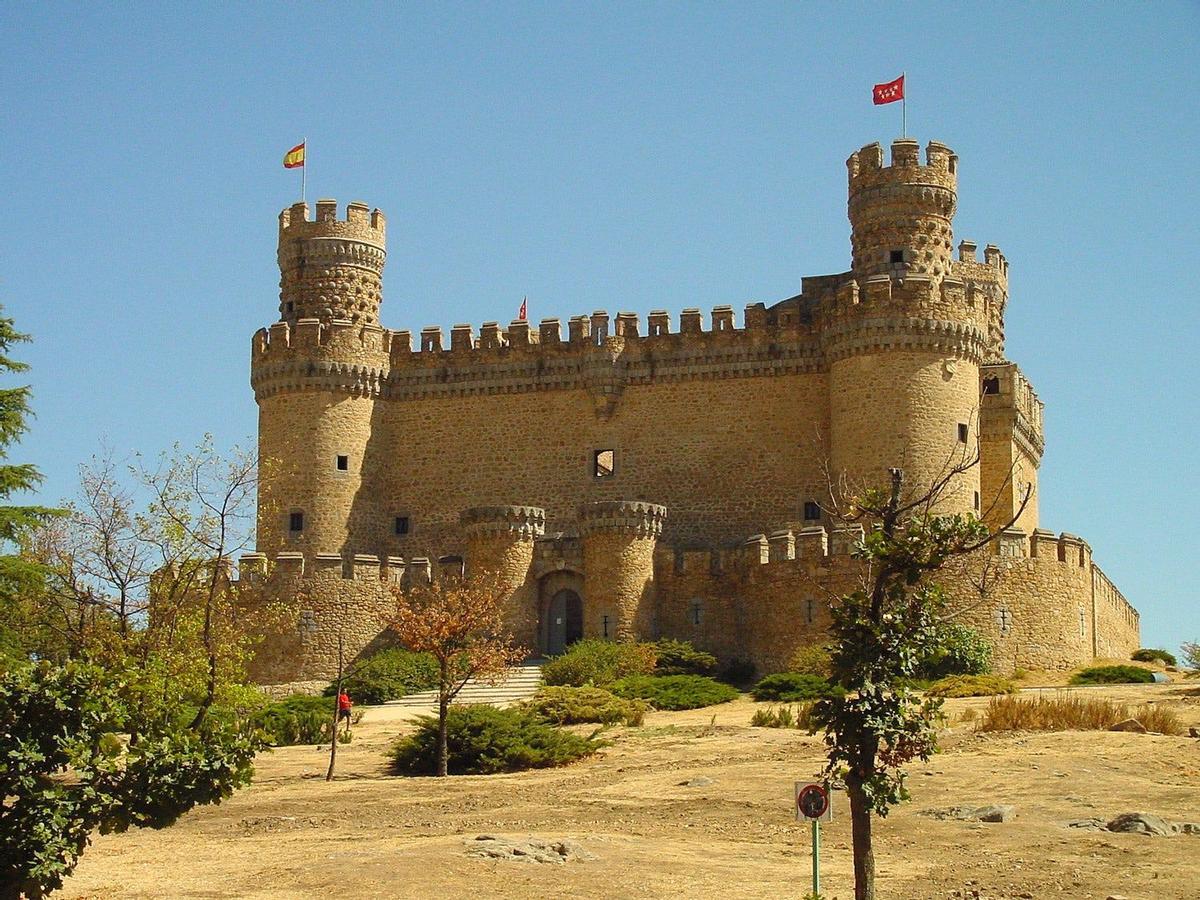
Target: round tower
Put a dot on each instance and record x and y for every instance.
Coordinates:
(317, 373)
(618, 538)
(904, 337)
(500, 540)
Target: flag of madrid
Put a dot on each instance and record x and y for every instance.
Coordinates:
(889, 92)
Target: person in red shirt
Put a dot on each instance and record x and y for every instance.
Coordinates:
(344, 706)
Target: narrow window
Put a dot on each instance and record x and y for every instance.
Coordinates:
(603, 463)
(296, 522)
(401, 525)
(1082, 623)
(809, 605)
(991, 385)
(694, 612)
(977, 501)
(291, 307)
(812, 511)
(604, 625)
(963, 432)
(343, 463)
(1004, 619)
(896, 257)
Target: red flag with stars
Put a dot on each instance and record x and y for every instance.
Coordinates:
(889, 92)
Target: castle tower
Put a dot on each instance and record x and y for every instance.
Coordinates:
(618, 538)
(905, 338)
(500, 539)
(316, 374)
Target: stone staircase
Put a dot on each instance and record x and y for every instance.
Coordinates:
(521, 683)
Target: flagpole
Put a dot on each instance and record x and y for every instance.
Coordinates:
(304, 174)
(903, 105)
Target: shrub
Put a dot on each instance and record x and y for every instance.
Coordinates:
(799, 716)
(789, 687)
(681, 658)
(483, 740)
(1191, 654)
(811, 659)
(599, 663)
(299, 720)
(1113, 675)
(1147, 654)
(572, 706)
(1071, 713)
(970, 686)
(963, 651)
(675, 691)
(738, 672)
(388, 675)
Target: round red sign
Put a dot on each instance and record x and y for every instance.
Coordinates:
(812, 801)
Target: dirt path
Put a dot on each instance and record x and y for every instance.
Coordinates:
(368, 834)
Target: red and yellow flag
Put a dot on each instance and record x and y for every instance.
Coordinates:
(294, 158)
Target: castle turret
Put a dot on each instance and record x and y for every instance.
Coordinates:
(317, 373)
(618, 539)
(500, 540)
(905, 337)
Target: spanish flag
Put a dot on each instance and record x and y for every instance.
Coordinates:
(294, 158)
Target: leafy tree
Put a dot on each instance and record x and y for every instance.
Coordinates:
(67, 772)
(883, 633)
(459, 620)
(1190, 651)
(19, 576)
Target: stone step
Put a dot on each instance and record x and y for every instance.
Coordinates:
(521, 683)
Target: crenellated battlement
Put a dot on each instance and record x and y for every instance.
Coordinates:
(360, 223)
(1009, 405)
(634, 517)
(513, 522)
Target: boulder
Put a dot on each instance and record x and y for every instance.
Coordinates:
(1139, 823)
(534, 850)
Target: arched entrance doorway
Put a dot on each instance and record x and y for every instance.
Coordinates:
(564, 621)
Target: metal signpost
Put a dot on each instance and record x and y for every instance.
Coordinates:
(812, 802)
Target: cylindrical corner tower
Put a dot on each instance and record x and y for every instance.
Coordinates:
(500, 540)
(618, 538)
(904, 339)
(316, 375)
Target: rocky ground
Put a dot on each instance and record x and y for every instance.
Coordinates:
(693, 804)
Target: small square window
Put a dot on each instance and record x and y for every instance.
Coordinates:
(963, 432)
(343, 463)
(296, 522)
(812, 511)
(896, 257)
(401, 525)
(991, 385)
(604, 463)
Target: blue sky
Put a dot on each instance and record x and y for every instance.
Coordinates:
(608, 156)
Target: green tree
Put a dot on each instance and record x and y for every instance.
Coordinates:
(883, 633)
(19, 576)
(67, 770)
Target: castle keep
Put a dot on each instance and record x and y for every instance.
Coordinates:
(665, 478)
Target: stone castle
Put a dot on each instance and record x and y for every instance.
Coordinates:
(657, 480)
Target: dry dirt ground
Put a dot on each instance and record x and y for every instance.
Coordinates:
(369, 834)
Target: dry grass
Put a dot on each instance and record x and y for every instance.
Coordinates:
(1072, 713)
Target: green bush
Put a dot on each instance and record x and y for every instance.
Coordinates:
(576, 705)
(1113, 675)
(483, 740)
(681, 658)
(970, 686)
(963, 651)
(1147, 654)
(811, 659)
(800, 716)
(599, 663)
(299, 720)
(389, 675)
(790, 687)
(675, 691)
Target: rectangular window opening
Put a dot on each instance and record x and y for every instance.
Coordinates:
(977, 501)
(896, 257)
(343, 463)
(604, 463)
(401, 525)
(296, 522)
(963, 432)
(812, 511)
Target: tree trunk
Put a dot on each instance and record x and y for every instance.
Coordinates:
(443, 754)
(337, 714)
(864, 853)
